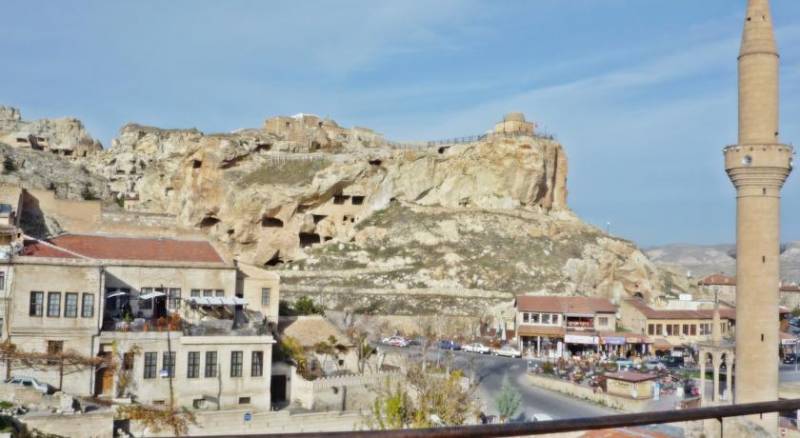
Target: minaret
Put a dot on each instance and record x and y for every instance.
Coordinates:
(758, 166)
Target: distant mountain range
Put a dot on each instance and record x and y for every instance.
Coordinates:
(702, 260)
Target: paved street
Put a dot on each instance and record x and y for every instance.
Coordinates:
(490, 371)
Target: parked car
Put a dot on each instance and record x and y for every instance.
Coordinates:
(445, 344)
(507, 351)
(30, 382)
(789, 358)
(396, 341)
(653, 365)
(477, 347)
(672, 361)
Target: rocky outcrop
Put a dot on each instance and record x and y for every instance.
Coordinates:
(64, 136)
(41, 170)
(268, 194)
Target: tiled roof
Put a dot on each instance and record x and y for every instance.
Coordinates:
(39, 249)
(790, 288)
(125, 248)
(650, 313)
(556, 304)
(718, 280)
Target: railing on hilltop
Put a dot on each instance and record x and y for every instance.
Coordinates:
(462, 140)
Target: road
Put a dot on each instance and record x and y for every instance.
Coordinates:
(490, 372)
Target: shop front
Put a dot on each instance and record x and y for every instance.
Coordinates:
(581, 344)
(542, 342)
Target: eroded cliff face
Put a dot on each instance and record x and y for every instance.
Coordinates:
(268, 194)
(371, 226)
(65, 136)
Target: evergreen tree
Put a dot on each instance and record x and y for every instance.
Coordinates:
(508, 401)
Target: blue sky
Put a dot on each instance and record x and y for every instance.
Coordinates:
(642, 93)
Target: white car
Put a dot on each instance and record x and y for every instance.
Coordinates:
(507, 351)
(477, 348)
(396, 341)
(29, 382)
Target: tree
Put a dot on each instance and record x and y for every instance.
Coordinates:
(65, 362)
(305, 306)
(330, 348)
(508, 401)
(432, 399)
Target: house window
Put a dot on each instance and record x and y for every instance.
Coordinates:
(686, 329)
(535, 318)
(150, 364)
(168, 364)
(526, 318)
(257, 364)
(244, 400)
(37, 304)
(70, 305)
(603, 320)
(193, 365)
(555, 319)
(237, 359)
(693, 329)
(53, 304)
(54, 348)
(659, 329)
(546, 318)
(211, 364)
(219, 293)
(174, 298)
(2, 281)
(87, 309)
(208, 292)
(195, 292)
(265, 296)
(651, 329)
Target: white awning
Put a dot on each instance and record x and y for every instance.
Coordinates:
(217, 301)
(151, 295)
(116, 294)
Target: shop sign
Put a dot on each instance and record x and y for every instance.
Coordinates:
(788, 341)
(580, 339)
(613, 340)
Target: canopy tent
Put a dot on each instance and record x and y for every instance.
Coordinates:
(217, 301)
(116, 294)
(151, 295)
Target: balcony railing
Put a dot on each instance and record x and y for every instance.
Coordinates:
(570, 425)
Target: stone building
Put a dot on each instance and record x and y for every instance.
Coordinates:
(677, 327)
(554, 325)
(514, 124)
(720, 285)
(168, 310)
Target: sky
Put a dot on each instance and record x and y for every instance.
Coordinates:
(641, 93)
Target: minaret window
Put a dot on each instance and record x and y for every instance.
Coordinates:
(747, 160)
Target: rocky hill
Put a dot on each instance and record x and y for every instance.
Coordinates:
(65, 136)
(364, 224)
(702, 260)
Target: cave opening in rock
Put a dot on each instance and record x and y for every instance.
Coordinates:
(375, 162)
(358, 200)
(275, 260)
(340, 199)
(315, 145)
(263, 147)
(443, 149)
(271, 222)
(208, 221)
(196, 164)
(318, 218)
(308, 239)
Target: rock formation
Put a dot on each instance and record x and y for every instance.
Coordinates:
(365, 224)
(65, 136)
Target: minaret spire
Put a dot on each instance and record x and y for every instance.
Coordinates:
(758, 77)
(758, 167)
